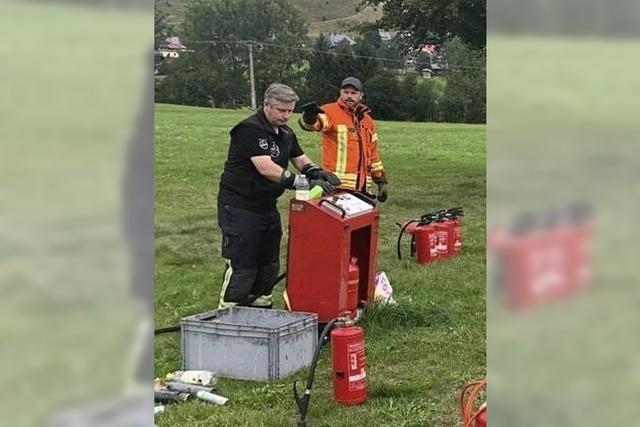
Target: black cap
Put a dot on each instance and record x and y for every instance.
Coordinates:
(352, 81)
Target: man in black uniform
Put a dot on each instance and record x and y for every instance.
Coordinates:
(255, 175)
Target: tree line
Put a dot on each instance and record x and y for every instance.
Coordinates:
(214, 72)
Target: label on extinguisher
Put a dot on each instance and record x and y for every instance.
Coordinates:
(442, 242)
(357, 373)
(433, 242)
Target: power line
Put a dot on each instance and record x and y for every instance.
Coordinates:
(312, 50)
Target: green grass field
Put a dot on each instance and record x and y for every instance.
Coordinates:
(419, 354)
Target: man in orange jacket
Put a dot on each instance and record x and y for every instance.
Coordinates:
(349, 139)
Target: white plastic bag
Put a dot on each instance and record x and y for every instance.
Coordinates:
(383, 292)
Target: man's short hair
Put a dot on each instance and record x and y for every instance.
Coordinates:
(279, 92)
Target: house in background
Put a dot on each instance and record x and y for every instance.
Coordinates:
(171, 48)
(426, 61)
(429, 49)
(334, 39)
(426, 73)
(436, 63)
(385, 36)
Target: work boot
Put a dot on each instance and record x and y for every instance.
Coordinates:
(263, 301)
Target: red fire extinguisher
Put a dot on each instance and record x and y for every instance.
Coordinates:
(426, 241)
(444, 233)
(423, 238)
(454, 217)
(348, 363)
(449, 244)
(353, 284)
(457, 235)
(434, 235)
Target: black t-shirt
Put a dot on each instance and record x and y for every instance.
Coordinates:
(241, 185)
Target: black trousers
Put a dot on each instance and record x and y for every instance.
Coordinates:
(251, 249)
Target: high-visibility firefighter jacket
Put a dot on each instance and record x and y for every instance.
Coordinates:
(349, 144)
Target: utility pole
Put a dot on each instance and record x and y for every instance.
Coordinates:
(250, 44)
(253, 83)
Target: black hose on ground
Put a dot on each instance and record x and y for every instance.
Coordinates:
(159, 331)
(303, 401)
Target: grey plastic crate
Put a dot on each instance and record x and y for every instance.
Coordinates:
(249, 343)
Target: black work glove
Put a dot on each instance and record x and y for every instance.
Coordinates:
(327, 188)
(360, 111)
(383, 192)
(310, 112)
(316, 172)
(289, 181)
(383, 187)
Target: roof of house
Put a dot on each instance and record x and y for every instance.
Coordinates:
(385, 35)
(173, 42)
(335, 39)
(429, 49)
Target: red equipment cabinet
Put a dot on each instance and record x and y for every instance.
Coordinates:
(322, 241)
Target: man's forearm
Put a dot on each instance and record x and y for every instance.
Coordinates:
(267, 168)
(300, 161)
(273, 172)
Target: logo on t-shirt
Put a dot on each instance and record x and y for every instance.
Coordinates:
(262, 142)
(275, 150)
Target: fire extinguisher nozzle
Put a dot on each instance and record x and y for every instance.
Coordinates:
(302, 402)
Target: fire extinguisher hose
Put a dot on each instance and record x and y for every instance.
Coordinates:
(402, 230)
(466, 407)
(303, 401)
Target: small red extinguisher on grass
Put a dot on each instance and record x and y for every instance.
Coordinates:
(454, 217)
(348, 363)
(444, 232)
(436, 235)
(426, 242)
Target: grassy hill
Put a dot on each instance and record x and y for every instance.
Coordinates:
(322, 15)
(418, 354)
